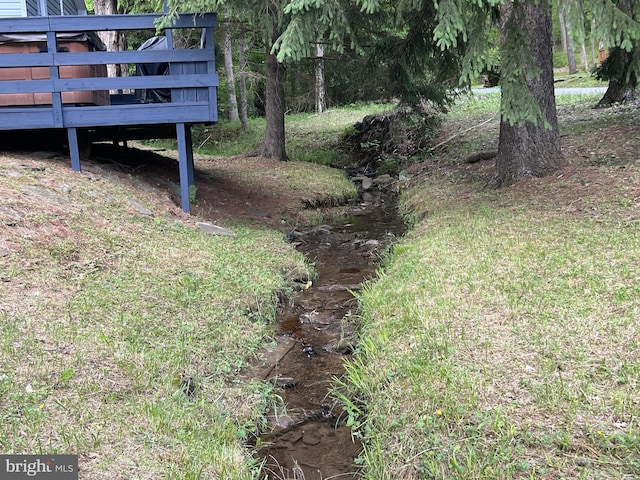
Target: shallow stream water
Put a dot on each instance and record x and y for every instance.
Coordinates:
(308, 438)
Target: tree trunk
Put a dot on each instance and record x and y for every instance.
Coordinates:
(530, 150)
(228, 72)
(243, 81)
(594, 51)
(321, 93)
(122, 69)
(565, 35)
(622, 82)
(563, 26)
(583, 48)
(619, 89)
(583, 56)
(110, 37)
(571, 54)
(273, 145)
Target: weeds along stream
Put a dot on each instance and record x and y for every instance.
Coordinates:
(307, 437)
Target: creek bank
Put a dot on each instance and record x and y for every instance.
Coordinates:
(306, 434)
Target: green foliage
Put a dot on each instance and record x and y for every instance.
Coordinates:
(619, 30)
(312, 20)
(617, 23)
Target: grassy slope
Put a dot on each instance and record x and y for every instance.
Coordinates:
(310, 137)
(106, 315)
(501, 340)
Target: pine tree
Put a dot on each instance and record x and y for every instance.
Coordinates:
(266, 17)
(619, 29)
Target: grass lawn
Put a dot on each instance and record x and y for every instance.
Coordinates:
(124, 332)
(501, 339)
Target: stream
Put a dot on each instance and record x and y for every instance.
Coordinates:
(307, 437)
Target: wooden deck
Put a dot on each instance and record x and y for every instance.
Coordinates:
(192, 81)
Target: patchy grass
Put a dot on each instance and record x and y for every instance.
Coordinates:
(278, 179)
(581, 79)
(310, 137)
(316, 138)
(122, 335)
(500, 340)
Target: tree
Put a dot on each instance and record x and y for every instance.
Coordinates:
(620, 31)
(112, 39)
(321, 92)
(565, 36)
(529, 143)
(623, 80)
(229, 75)
(529, 140)
(273, 145)
(267, 18)
(242, 66)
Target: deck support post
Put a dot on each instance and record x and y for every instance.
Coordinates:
(74, 150)
(185, 160)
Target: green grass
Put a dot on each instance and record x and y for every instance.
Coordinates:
(310, 137)
(108, 320)
(580, 79)
(500, 340)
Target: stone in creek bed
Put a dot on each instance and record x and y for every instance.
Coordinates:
(284, 382)
(345, 347)
(309, 351)
(291, 437)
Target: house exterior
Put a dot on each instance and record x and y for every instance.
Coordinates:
(34, 8)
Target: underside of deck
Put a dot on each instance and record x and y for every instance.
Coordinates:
(45, 103)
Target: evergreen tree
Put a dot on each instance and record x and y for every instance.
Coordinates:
(529, 140)
(460, 30)
(266, 17)
(619, 30)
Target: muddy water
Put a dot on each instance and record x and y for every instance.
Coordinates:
(307, 437)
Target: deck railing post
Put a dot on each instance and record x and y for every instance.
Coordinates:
(54, 74)
(186, 167)
(74, 150)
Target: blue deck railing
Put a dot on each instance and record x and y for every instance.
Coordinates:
(191, 80)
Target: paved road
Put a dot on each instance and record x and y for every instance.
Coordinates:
(558, 90)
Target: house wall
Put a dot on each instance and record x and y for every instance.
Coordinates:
(12, 8)
(69, 7)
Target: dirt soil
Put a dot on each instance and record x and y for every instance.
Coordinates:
(219, 197)
(599, 146)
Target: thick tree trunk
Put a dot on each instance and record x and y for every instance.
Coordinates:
(619, 89)
(321, 92)
(228, 72)
(622, 82)
(243, 81)
(531, 150)
(273, 145)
